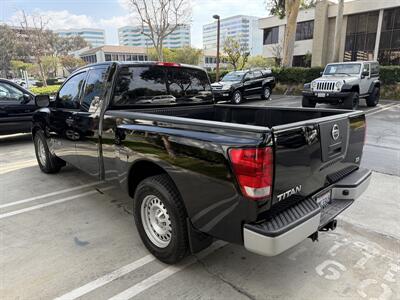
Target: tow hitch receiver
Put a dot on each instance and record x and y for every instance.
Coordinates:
(329, 226)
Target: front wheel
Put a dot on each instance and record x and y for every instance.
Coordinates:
(48, 162)
(373, 98)
(266, 95)
(237, 97)
(307, 102)
(352, 101)
(160, 219)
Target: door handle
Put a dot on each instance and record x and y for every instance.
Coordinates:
(69, 121)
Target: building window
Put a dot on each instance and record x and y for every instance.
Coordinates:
(107, 57)
(361, 36)
(305, 30)
(389, 46)
(271, 35)
(301, 61)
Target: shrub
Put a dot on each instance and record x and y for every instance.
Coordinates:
(390, 74)
(49, 90)
(296, 74)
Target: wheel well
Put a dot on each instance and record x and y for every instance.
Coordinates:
(140, 171)
(355, 88)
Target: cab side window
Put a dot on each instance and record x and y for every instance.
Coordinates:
(366, 68)
(69, 94)
(10, 93)
(94, 87)
(249, 76)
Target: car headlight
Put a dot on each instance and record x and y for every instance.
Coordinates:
(339, 84)
(313, 84)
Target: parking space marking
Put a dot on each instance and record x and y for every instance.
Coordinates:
(20, 211)
(16, 166)
(91, 286)
(383, 109)
(165, 273)
(49, 194)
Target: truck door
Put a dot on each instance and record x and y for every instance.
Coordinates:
(250, 84)
(87, 121)
(365, 81)
(62, 128)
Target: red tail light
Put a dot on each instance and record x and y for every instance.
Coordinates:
(253, 169)
(168, 64)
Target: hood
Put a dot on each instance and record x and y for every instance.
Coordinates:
(224, 84)
(338, 77)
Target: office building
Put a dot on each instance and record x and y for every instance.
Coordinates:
(370, 31)
(95, 37)
(114, 53)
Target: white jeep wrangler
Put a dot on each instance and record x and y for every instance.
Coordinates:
(344, 83)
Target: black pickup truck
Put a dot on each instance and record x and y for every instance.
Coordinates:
(263, 177)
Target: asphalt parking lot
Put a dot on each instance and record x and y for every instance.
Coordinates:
(71, 237)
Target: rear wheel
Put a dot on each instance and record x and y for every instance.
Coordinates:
(160, 218)
(237, 97)
(266, 95)
(352, 101)
(48, 162)
(373, 98)
(307, 102)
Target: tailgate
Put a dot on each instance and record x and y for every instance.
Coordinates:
(311, 155)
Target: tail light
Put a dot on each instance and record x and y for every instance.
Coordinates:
(253, 169)
(168, 64)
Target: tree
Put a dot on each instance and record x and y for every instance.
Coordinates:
(8, 48)
(37, 39)
(50, 65)
(290, 10)
(62, 46)
(168, 54)
(236, 54)
(258, 61)
(71, 63)
(188, 55)
(18, 65)
(159, 18)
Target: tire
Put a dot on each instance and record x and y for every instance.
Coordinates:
(156, 199)
(47, 162)
(306, 102)
(352, 101)
(237, 97)
(266, 95)
(373, 99)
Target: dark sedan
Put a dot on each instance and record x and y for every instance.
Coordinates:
(16, 108)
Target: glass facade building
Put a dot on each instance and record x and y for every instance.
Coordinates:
(95, 37)
(133, 36)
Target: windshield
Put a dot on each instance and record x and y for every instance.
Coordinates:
(159, 85)
(233, 76)
(336, 69)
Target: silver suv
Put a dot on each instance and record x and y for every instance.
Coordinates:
(344, 83)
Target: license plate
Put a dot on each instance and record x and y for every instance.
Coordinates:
(321, 95)
(324, 199)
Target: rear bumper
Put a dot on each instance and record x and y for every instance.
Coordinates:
(266, 239)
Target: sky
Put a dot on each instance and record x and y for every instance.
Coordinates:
(111, 14)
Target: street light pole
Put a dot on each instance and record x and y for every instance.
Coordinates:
(218, 36)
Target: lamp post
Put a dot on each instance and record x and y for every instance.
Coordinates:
(218, 34)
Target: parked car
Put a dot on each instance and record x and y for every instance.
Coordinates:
(344, 83)
(237, 85)
(16, 108)
(263, 177)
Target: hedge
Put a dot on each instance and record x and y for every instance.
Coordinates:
(297, 75)
(48, 90)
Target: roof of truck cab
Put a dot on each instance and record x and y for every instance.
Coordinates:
(353, 62)
(129, 63)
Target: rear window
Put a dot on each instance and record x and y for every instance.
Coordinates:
(156, 85)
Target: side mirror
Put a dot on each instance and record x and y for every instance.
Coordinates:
(26, 98)
(42, 100)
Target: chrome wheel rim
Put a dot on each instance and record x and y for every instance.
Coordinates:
(41, 152)
(156, 221)
(236, 98)
(267, 93)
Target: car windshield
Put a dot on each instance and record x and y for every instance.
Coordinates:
(342, 69)
(156, 85)
(233, 76)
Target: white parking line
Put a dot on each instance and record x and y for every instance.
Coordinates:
(20, 211)
(87, 288)
(386, 108)
(164, 274)
(49, 194)
(5, 168)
